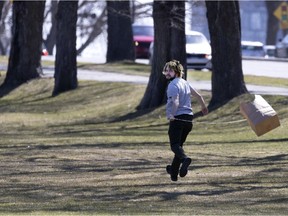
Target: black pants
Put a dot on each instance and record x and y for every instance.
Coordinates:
(178, 132)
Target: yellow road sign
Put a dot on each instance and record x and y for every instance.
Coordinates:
(282, 15)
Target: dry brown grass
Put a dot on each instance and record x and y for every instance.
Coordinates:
(88, 152)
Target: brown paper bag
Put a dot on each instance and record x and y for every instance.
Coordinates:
(260, 115)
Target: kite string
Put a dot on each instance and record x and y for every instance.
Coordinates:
(215, 123)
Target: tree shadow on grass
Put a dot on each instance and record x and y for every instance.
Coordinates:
(132, 115)
(6, 89)
(242, 141)
(65, 195)
(140, 113)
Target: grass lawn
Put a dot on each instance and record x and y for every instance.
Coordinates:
(89, 152)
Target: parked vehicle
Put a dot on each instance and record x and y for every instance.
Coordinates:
(252, 49)
(198, 51)
(270, 51)
(143, 35)
(282, 48)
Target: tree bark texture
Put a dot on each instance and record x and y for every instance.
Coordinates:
(120, 36)
(225, 33)
(1, 7)
(178, 38)
(25, 54)
(66, 58)
(169, 43)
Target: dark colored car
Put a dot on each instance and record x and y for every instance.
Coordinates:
(143, 35)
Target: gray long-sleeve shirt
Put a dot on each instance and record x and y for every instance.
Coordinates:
(178, 91)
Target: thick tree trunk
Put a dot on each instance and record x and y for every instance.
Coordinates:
(66, 59)
(1, 7)
(25, 54)
(272, 22)
(120, 36)
(169, 43)
(225, 33)
(178, 38)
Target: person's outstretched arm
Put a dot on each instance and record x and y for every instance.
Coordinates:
(200, 100)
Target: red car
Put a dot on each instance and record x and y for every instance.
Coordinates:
(143, 35)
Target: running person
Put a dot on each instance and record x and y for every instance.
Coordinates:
(179, 113)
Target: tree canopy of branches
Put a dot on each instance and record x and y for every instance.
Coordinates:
(120, 36)
(225, 33)
(66, 58)
(91, 22)
(169, 43)
(25, 54)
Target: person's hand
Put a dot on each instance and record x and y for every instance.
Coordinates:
(205, 111)
(171, 118)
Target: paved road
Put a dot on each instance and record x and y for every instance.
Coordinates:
(268, 68)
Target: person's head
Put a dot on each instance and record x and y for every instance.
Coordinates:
(173, 69)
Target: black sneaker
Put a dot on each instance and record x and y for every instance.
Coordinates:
(168, 170)
(174, 178)
(184, 167)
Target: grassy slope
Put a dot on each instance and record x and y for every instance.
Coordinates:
(88, 151)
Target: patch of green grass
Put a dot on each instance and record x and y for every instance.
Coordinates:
(249, 79)
(89, 152)
(4, 59)
(132, 68)
(196, 75)
(126, 67)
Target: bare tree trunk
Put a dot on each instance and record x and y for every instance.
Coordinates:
(169, 43)
(225, 33)
(25, 54)
(178, 39)
(66, 59)
(1, 7)
(272, 22)
(120, 36)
